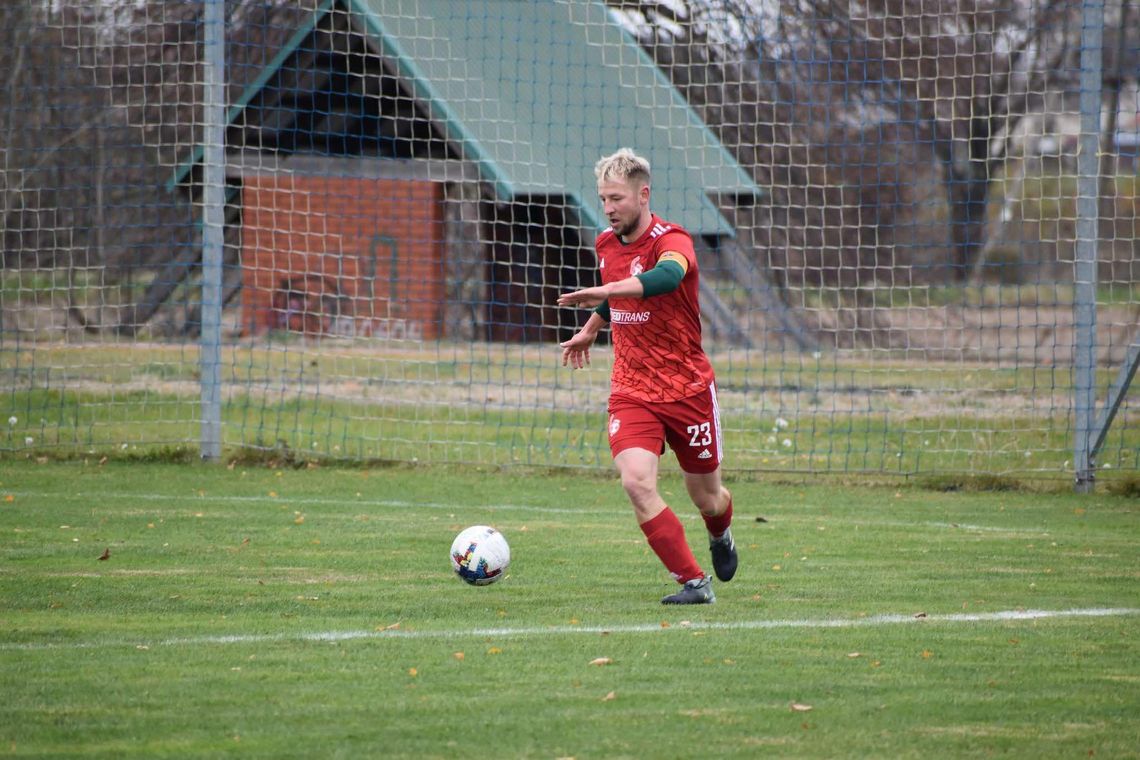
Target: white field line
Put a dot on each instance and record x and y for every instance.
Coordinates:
(964, 527)
(571, 630)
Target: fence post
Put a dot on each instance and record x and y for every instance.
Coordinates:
(213, 221)
(1085, 264)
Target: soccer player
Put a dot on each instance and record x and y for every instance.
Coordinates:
(662, 388)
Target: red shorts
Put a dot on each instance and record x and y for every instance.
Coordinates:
(690, 426)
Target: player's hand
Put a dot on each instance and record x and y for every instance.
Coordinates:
(587, 297)
(576, 351)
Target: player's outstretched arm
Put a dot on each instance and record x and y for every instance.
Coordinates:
(663, 278)
(630, 286)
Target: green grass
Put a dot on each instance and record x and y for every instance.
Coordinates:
(254, 612)
(135, 423)
(485, 405)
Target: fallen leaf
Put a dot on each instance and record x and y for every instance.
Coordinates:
(610, 697)
(413, 672)
(853, 655)
(919, 615)
(761, 519)
(458, 656)
(9, 498)
(927, 654)
(106, 554)
(602, 661)
(799, 707)
(494, 650)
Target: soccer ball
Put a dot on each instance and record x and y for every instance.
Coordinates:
(480, 555)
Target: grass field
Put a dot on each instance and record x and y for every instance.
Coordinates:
(495, 405)
(256, 612)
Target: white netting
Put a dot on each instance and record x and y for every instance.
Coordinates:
(885, 196)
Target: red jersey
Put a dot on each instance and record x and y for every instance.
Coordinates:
(657, 341)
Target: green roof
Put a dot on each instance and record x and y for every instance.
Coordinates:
(534, 92)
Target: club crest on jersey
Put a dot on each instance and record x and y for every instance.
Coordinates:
(636, 267)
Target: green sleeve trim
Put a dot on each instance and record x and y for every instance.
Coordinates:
(663, 278)
(603, 310)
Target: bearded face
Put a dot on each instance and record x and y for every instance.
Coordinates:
(626, 206)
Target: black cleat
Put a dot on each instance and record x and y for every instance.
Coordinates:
(723, 556)
(696, 591)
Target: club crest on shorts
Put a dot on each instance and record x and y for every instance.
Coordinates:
(615, 423)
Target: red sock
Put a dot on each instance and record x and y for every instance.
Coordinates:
(719, 524)
(666, 537)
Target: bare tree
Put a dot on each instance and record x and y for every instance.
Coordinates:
(101, 102)
(968, 73)
(845, 108)
(40, 132)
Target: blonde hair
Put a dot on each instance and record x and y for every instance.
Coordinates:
(623, 166)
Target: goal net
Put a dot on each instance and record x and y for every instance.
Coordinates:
(894, 225)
